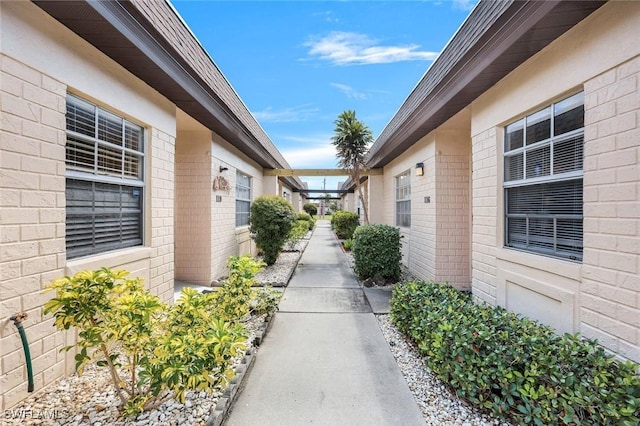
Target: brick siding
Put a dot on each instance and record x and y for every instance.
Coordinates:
(32, 245)
(610, 308)
(484, 228)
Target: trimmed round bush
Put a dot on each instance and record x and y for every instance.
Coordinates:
(376, 251)
(310, 208)
(344, 224)
(271, 220)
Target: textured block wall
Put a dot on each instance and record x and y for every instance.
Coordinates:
(610, 297)
(32, 213)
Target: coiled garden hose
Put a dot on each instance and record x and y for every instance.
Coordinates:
(17, 321)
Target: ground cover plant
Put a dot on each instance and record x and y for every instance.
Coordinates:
(512, 366)
(154, 350)
(376, 253)
(271, 219)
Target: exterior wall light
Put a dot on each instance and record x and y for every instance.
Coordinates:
(419, 169)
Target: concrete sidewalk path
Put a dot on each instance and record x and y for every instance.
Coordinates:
(325, 360)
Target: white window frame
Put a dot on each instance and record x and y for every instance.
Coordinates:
(243, 215)
(549, 222)
(105, 157)
(403, 199)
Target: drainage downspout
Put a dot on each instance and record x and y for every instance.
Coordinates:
(17, 321)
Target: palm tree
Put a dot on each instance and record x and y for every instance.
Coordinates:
(352, 138)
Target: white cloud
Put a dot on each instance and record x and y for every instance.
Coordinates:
(312, 152)
(312, 157)
(286, 115)
(327, 16)
(464, 4)
(345, 48)
(349, 91)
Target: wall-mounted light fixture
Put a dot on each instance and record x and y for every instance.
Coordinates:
(419, 169)
(223, 168)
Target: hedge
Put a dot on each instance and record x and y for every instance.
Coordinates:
(512, 366)
(376, 252)
(344, 224)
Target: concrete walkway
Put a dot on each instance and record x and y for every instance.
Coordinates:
(325, 360)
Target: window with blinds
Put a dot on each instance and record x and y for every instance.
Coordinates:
(105, 180)
(403, 200)
(243, 199)
(543, 157)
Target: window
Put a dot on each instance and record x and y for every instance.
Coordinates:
(543, 156)
(403, 200)
(105, 180)
(243, 199)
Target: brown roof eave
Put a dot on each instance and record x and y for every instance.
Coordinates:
(506, 34)
(119, 30)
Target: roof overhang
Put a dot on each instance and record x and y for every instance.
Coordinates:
(122, 32)
(496, 38)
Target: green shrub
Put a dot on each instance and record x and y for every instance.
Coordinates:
(148, 346)
(233, 299)
(308, 218)
(310, 208)
(271, 220)
(265, 300)
(297, 232)
(512, 366)
(348, 244)
(376, 251)
(344, 224)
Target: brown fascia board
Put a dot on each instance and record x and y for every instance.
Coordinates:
(121, 31)
(496, 38)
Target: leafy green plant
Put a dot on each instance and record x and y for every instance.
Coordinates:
(344, 223)
(376, 251)
(348, 244)
(512, 366)
(93, 302)
(195, 349)
(265, 300)
(233, 300)
(310, 208)
(308, 218)
(272, 218)
(298, 231)
(151, 348)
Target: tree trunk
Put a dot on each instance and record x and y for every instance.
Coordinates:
(363, 198)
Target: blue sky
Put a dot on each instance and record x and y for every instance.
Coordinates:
(298, 64)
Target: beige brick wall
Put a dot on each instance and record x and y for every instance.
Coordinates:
(162, 188)
(206, 234)
(421, 239)
(32, 201)
(229, 240)
(437, 245)
(600, 296)
(610, 309)
(485, 210)
(193, 207)
(453, 220)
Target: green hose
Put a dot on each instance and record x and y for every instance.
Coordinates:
(17, 321)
